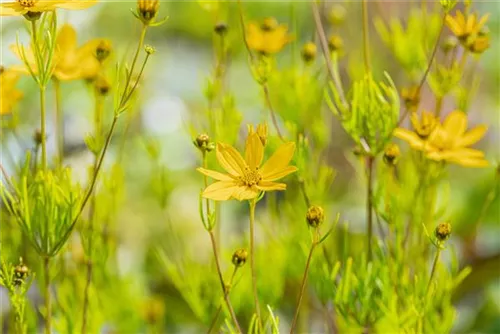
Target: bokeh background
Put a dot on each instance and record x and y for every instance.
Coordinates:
(171, 102)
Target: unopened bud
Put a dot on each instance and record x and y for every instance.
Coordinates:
(309, 51)
(315, 216)
(239, 257)
(443, 231)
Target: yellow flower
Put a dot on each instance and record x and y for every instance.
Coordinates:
(9, 95)
(32, 7)
(463, 26)
(449, 141)
(70, 61)
(268, 37)
(245, 179)
(411, 97)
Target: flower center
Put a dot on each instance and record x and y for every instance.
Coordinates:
(27, 3)
(250, 177)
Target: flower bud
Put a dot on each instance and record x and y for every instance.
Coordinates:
(154, 310)
(149, 49)
(449, 44)
(315, 216)
(337, 14)
(335, 43)
(309, 51)
(411, 97)
(21, 271)
(203, 143)
(239, 257)
(443, 231)
(102, 85)
(391, 154)
(269, 24)
(37, 137)
(221, 28)
(103, 50)
(147, 10)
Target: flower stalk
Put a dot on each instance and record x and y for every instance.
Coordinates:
(253, 203)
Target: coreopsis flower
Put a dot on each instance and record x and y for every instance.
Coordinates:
(245, 177)
(449, 141)
(335, 43)
(267, 38)
(309, 51)
(70, 61)
(479, 44)
(465, 26)
(34, 8)
(9, 95)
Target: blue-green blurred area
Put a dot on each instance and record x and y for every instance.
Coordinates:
(170, 110)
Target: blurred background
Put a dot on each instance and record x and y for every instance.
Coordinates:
(171, 103)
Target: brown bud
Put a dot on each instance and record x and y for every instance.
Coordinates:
(269, 24)
(309, 51)
(221, 28)
(21, 271)
(203, 143)
(239, 257)
(391, 154)
(443, 231)
(315, 216)
(335, 43)
(103, 50)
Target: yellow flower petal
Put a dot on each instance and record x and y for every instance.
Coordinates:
(471, 137)
(245, 193)
(455, 124)
(77, 4)
(220, 191)
(254, 151)
(227, 160)
(470, 162)
(66, 39)
(215, 175)
(278, 161)
(278, 174)
(270, 186)
(410, 137)
(11, 9)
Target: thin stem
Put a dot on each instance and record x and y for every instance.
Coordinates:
(265, 88)
(219, 309)
(264, 85)
(304, 280)
(59, 123)
(439, 105)
(433, 270)
(369, 203)
(223, 285)
(252, 260)
(88, 282)
(43, 130)
(48, 301)
(366, 47)
(132, 67)
(326, 51)
(428, 69)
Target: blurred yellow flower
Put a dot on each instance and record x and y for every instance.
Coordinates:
(245, 179)
(449, 141)
(479, 44)
(268, 37)
(9, 95)
(27, 7)
(463, 26)
(70, 61)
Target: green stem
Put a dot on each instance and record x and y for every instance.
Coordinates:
(252, 260)
(304, 280)
(43, 129)
(59, 123)
(48, 301)
(219, 309)
(88, 282)
(369, 203)
(366, 37)
(433, 270)
(223, 285)
(132, 67)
